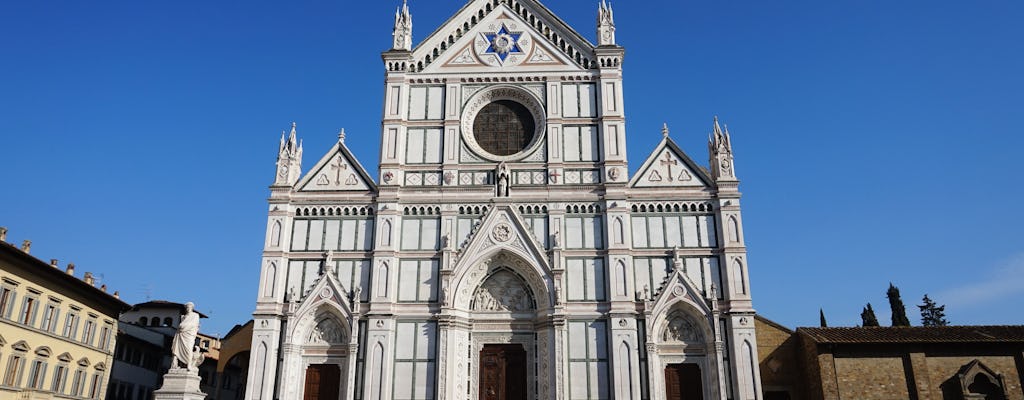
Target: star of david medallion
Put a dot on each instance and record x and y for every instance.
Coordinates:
(503, 43)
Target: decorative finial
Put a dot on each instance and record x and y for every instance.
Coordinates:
(664, 130)
(341, 135)
(718, 128)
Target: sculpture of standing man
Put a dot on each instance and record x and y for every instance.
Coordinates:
(184, 349)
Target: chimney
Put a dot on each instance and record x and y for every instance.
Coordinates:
(89, 280)
(3, 234)
(103, 288)
(117, 295)
(71, 269)
(53, 263)
(26, 246)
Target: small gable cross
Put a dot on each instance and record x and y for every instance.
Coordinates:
(669, 162)
(338, 166)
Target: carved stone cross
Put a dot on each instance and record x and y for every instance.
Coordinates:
(669, 162)
(338, 166)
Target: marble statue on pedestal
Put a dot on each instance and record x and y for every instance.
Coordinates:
(182, 381)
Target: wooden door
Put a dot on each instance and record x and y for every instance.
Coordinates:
(323, 382)
(502, 372)
(683, 382)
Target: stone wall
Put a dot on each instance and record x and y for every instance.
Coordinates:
(871, 378)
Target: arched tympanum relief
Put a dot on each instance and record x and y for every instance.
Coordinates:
(503, 291)
(326, 332)
(533, 282)
(681, 329)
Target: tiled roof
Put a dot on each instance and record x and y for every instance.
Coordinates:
(917, 334)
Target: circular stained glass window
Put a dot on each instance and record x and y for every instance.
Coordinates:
(504, 128)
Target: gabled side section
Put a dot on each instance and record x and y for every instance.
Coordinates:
(337, 171)
(669, 166)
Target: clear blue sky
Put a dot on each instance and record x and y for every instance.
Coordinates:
(877, 140)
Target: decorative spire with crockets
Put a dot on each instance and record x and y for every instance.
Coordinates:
(403, 28)
(605, 24)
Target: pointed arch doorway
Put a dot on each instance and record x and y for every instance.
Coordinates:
(323, 382)
(502, 372)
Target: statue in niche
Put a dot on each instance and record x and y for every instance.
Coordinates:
(184, 341)
(503, 184)
(502, 292)
(328, 267)
(681, 330)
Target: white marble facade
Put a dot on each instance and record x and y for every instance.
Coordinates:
(392, 286)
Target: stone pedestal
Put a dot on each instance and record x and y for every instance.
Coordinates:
(180, 384)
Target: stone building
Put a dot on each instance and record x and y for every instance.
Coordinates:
(923, 363)
(504, 249)
(57, 332)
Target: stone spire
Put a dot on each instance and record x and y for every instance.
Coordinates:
(289, 159)
(720, 151)
(403, 28)
(605, 24)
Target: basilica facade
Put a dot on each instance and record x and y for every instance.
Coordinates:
(503, 249)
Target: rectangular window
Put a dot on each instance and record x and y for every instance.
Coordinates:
(426, 103)
(105, 336)
(14, 365)
(585, 279)
(580, 143)
(349, 234)
(28, 311)
(588, 361)
(70, 325)
(6, 301)
(417, 280)
(37, 375)
(579, 100)
(421, 233)
(423, 146)
(89, 332)
(78, 383)
(415, 361)
(94, 387)
(49, 322)
(60, 376)
(584, 232)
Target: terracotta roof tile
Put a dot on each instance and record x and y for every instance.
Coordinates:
(917, 334)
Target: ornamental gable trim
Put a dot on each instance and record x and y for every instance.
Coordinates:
(337, 171)
(669, 166)
(449, 42)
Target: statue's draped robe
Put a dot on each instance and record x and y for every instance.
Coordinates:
(185, 340)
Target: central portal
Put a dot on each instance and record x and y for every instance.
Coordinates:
(503, 372)
(323, 382)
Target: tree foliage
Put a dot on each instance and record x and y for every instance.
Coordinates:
(899, 311)
(821, 314)
(868, 317)
(932, 314)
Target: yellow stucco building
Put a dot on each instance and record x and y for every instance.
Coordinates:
(57, 332)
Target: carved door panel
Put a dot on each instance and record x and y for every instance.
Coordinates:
(683, 382)
(323, 382)
(502, 372)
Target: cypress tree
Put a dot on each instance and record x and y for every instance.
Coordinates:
(867, 317)
(899, 311)
(932, 314)
(821, 314)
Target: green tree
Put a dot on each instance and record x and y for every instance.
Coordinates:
(868, 317)
(932, 314)
(899, 311)
(821, 314)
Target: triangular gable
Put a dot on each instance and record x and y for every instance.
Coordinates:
(327, 289)
(678, 287)
(337, 171)
(463, 40)
(526, 48)
(669, 166)
(502, 227)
